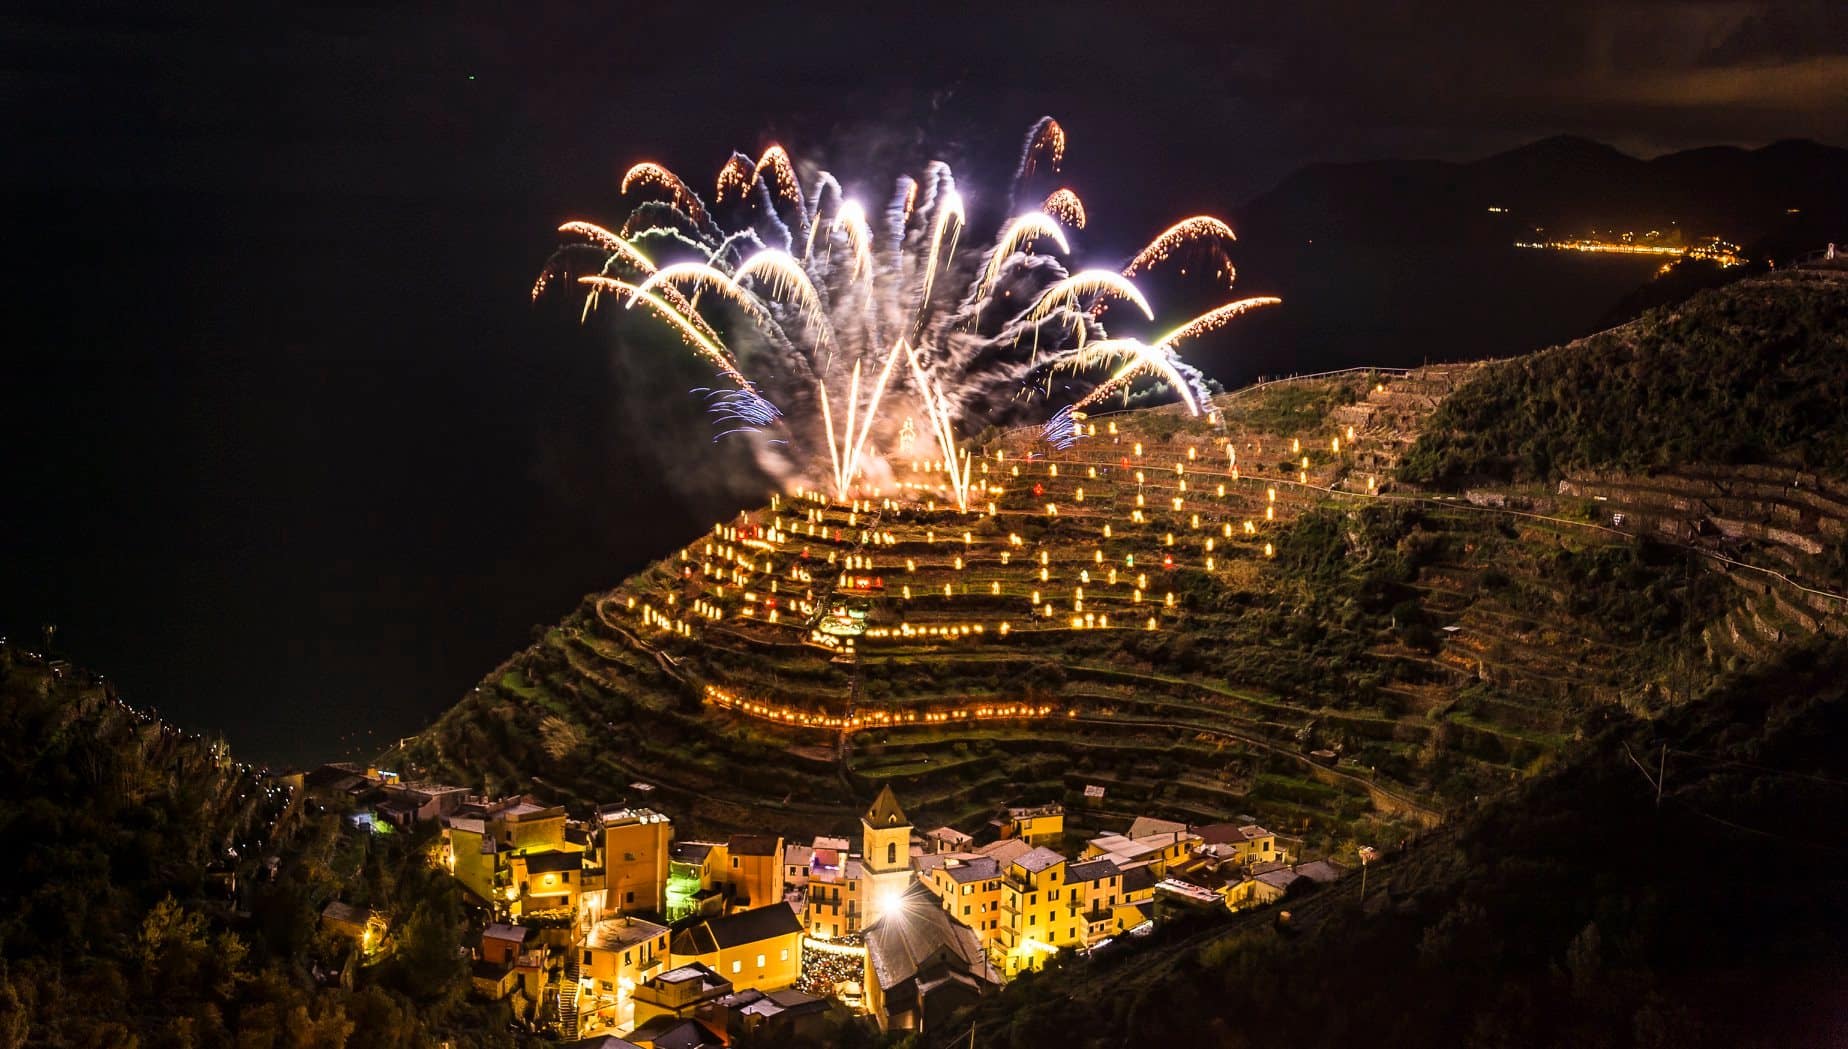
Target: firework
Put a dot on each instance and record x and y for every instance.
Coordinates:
(1065, 206)
(1201, 230)
(836, 327)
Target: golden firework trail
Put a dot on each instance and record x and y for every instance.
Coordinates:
(1020, 233)
(734, 179)
(776, 161)
(1065, 206)
(694, 334)
(655, 176)
(1216, 318)
(1188, 230)
(1144, 360)
(845, 343)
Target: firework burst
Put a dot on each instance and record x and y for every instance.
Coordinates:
(840, 332)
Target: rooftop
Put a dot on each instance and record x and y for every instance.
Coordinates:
(1025, 812)
(1230, 833)
(500, 931)
(901, 942)
(735, 930)
(1006, 850)
(973, 868)
(1143, 826)
(1039, 859)
(691, 971)
(691, 851)
(614, 934)
(754, 845)
(625, 816)
(553, 861)
(1092, 870)
(885, 811)
(671, 1032)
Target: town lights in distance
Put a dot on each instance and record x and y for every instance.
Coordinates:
(838, 331)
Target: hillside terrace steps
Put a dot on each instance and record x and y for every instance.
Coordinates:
(1785, 507)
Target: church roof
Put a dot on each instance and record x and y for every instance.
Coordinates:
(885, 811)
(918, 932)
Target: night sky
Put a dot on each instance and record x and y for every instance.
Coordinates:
(288, 455)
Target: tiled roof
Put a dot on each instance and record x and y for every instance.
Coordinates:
(1092, 870)
(897, 944)
(754, 845)
(1147, 825)
(975, 869)
(691, 851)
(553, 862)
(1039, 859)
(752, 926)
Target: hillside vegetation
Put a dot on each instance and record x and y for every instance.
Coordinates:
(141, 912)
(1575, 911)
(1750, 373)
(1279, 630)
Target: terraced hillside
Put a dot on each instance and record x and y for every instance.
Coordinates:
(1252, 612)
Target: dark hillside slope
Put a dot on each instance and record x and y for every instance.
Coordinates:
(1756, 372)
(1574, 911)
(137, 911)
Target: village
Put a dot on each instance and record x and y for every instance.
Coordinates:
(612, 931)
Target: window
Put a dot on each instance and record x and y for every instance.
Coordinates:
(891, 853)
(586, 957)
(734, 863)
(965, 910)
(737, 967)
(625, 957)
(967, 889)
(1032, 919)
(760, 961)
(784, 956)
(628, 897)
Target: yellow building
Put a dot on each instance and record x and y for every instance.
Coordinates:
(760, 948)
(885, 853)
(679, 992)
(968, 886)
(834, 901)
(636, 844)
(1157, 850)
(615, 957)
(482, 840)
(751, 867)
(1106, 908)
(691, 879)
(1039, 911)
(1035, 824)
(545, 881)
(1244, 845)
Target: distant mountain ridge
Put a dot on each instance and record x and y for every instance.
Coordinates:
(1567, 185)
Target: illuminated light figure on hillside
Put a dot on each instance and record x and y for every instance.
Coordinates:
(849, 327)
